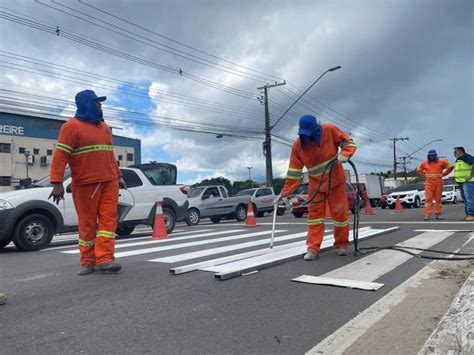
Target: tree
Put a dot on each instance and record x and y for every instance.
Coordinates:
(278, 185)
(215, 181)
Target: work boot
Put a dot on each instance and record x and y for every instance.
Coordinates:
(469, 219)
(86, 270)
(110, 268)
(3, 298)
(342, 251)
(427, 218)
(310, 256)
(439, 218)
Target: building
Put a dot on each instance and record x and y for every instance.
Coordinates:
(27, 143)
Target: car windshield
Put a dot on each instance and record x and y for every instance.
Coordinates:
(245, 193)
(44, 182)
(302, 189)
(409, 187)
(195, 191)
(448, 188)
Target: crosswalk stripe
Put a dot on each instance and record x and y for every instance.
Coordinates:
(184, 245)
(212, 251)
(133, 239)
(159, 241)
(375, 265)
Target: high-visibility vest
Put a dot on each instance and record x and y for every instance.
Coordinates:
(461, 170)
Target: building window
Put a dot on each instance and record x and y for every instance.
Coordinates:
(21, 150)
(36, 151)
(5, 148)
(5, 180)
(129, 157)
(49, 152)
(120, 157)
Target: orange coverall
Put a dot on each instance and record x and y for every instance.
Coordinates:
(88, 150)
(315, 157)
(433, 173)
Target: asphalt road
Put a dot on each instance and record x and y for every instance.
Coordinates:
(145, 309)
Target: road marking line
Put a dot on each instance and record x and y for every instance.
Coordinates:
(442, 230)
(190, 244)
(344, 337)
(375, 265)
(318, 280)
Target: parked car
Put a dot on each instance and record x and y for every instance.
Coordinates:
(30, 220)
(214, 202)
(262, 200)
(411, 195)
(299, 209)
(451, 194)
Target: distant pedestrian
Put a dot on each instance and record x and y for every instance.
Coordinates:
(464, 176)
(433, 170)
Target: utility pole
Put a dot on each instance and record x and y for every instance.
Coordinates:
(250, 176)
(267, 144)
(395, 140)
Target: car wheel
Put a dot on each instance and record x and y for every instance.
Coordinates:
(281, 211)
(298, 214)
(240, 213)
(193, 217)
(392, 206)
(4, 243)
(216, 219)
(455, 200)
(33, 232)
(125, 230)
(170, 219)
(384, 206)
(417, 202)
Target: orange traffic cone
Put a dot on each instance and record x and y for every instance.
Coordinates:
(250, 221)
(368, 205)
(327, 214)
(159, 227)
(398, 205)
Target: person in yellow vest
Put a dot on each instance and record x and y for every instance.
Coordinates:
(464, 176)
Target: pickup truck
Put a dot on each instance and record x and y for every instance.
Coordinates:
(214, 202)
(30, 220)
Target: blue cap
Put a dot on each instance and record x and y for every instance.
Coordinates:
(308, 125)
(87, 95)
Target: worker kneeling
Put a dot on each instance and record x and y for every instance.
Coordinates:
(315, 148)
(85, 143)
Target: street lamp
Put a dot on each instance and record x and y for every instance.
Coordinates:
(250, 176)
(27, 154)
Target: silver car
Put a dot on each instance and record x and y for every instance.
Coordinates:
(262, 199)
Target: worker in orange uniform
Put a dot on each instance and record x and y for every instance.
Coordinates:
(433, 170)
(317, 146)
(85, 143)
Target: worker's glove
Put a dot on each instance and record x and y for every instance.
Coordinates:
(342, 158)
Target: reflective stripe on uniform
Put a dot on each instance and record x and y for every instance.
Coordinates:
(317, 170)
(64, 148)
(350, 143)
(312, 222)
(93, 148)
(294, 173)
(341, 224)
(85, 243)
(434, 175)
(105, 234)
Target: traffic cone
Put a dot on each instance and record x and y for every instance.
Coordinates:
(398, 205)
(159, 227)
(368, 205)
(250, 221)
(327, 214)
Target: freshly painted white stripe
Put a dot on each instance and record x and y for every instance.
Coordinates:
(132, 239)
(328, 241)
(375, 265)
(212, 251)
(344, 337)
(317, 280)
(469, 239)
(148, 242)
(190, 244)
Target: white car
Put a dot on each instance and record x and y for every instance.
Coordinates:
(262, 199)
(30, 220)
(411, 195)
(451, 194)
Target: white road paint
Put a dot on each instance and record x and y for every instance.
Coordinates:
(317, 280)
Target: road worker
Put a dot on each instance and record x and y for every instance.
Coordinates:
(316, 146)
(433, 170)
(464, 176)
(85, 144)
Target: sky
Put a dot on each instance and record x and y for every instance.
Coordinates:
(170, 68)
